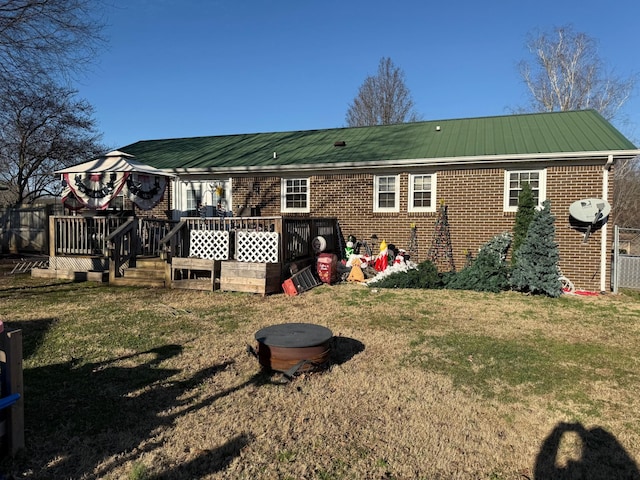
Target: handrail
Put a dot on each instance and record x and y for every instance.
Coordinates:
(151, 231)
(172, 241)
(119, 231)
(167, 238)
(122, 248)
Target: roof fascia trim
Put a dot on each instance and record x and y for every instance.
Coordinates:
(419, 162)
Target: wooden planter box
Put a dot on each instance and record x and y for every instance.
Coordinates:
(194, 273)
(263, 278)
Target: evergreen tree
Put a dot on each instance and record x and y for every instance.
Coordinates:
(536, 270)
(524, 215)
(488, 272)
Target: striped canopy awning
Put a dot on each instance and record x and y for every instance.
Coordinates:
(95, 183)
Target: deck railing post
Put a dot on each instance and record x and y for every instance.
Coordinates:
(53, 238)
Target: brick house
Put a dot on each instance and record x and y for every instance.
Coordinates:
(379, 181)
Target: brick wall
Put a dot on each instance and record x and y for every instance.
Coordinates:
(474, 199)
(579, 261)
(260, 192)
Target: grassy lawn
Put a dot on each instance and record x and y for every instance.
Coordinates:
(124, 383)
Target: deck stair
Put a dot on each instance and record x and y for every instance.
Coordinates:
(148, 272)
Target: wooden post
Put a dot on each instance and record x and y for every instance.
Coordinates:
(279, 227)
(12, 383)
(52, 237)
(114, 259)
(168, 273)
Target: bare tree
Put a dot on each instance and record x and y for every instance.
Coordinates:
(566, 73)
(626, 194)
(383, 99)
(43, 126)
(49, 38)
(40, 131)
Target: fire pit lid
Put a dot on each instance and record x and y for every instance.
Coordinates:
(294, 335)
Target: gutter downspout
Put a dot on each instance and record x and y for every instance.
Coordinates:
(603, 238)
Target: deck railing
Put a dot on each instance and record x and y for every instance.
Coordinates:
(177, 242)
(245, 224)
(296, 234)
(150, 232)
(126, 238)
(78, 235)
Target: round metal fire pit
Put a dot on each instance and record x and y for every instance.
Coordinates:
(293, 347)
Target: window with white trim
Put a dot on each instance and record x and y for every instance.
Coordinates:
(422, 192)
(194, 198)
(386, 191)
(295, 195)
(515, 179)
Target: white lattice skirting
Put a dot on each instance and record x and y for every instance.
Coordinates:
(79, 264)
(260, 247)
(209, 244)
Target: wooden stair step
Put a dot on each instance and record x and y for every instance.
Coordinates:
(150, 263)
(137, 282)
(144, 273)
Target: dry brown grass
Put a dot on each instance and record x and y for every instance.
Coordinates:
(196, 405)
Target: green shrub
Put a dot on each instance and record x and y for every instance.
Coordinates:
(424, 276)
(489, 271)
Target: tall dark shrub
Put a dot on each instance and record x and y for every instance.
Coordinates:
(536, 270)
(524, 216)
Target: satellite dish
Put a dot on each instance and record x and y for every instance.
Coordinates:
(588, 215)
(590, 210)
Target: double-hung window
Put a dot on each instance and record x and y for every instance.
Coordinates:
(514, 181)
(295, 195)
(386, 191)
(422, 192)
(194, 197)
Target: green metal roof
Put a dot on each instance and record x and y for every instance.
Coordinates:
(516, 135)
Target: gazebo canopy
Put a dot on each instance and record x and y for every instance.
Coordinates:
(95, 183)
(115, 161)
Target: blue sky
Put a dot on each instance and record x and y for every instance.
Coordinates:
(215, 67)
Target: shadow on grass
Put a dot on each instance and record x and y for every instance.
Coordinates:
(602, 457)
(83, 420)
(209, 461)
(34, 290)
(344, 349)
(33, 331)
